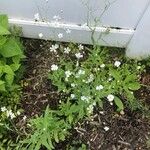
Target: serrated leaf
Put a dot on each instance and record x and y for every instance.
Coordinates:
(119, 103)
(10, 49)
(56, 136)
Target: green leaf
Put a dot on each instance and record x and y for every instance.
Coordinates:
(10, 49)
(2, 86)
(9, 78)
(56, 136)
(4, 25)
(119, 103)
(3, 31)
(15, 67)
(3, 39)
(7, 69)
(134, 86)
(4, 21)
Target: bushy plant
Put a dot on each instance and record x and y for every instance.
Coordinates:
(92, 77)
(47, 129)
(10, 56)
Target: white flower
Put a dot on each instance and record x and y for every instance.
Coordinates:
(3, 109)
(102, 65)
(80, 72)
(90, 109)
(60, 35)
(68, 73)
(10, 114)
(138, 67)
(110, 97)
(85, 98)
(106, 128)
(53, 48)
(56, 17)
(24, 118)
(54, 67)
(68, 31)
(46, 0)
(81, 47)
(101, 112)
(78, 55)
(117, 63)
(73, 85)
(40, 35)
(109, 79)
(100, 87)
(90, 79)
(72, 96)
(36, 17)
(67, 50)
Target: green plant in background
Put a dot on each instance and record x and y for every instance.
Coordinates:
(47, 129)
(10, 56)
(96, 79)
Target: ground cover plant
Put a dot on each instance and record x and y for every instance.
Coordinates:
(11, 54)
(71, 96)
(90, 93)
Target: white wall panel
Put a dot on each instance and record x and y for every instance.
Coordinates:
(120, 13)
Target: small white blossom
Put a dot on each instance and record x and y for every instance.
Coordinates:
(109, 79)
(56, 17)
(68, 31)
(24, 118)
(80, 72)
(78, 55)
(138, 67)
(81, 47)
(36, 17)
(106, 128)
(117, 63)
(90, 109)
(102, 65)
(40, 35)
(54, 67)
(100, 87)
(3, 109)
(90, 79)
(110, 97)
(60, 35)
(67, 50)
(73, 85)
(72, 96)
(85, 98)
(53, 48)
(10, 114)
(68, 73)
(101, 112)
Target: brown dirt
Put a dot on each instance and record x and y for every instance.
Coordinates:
(127, 132)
